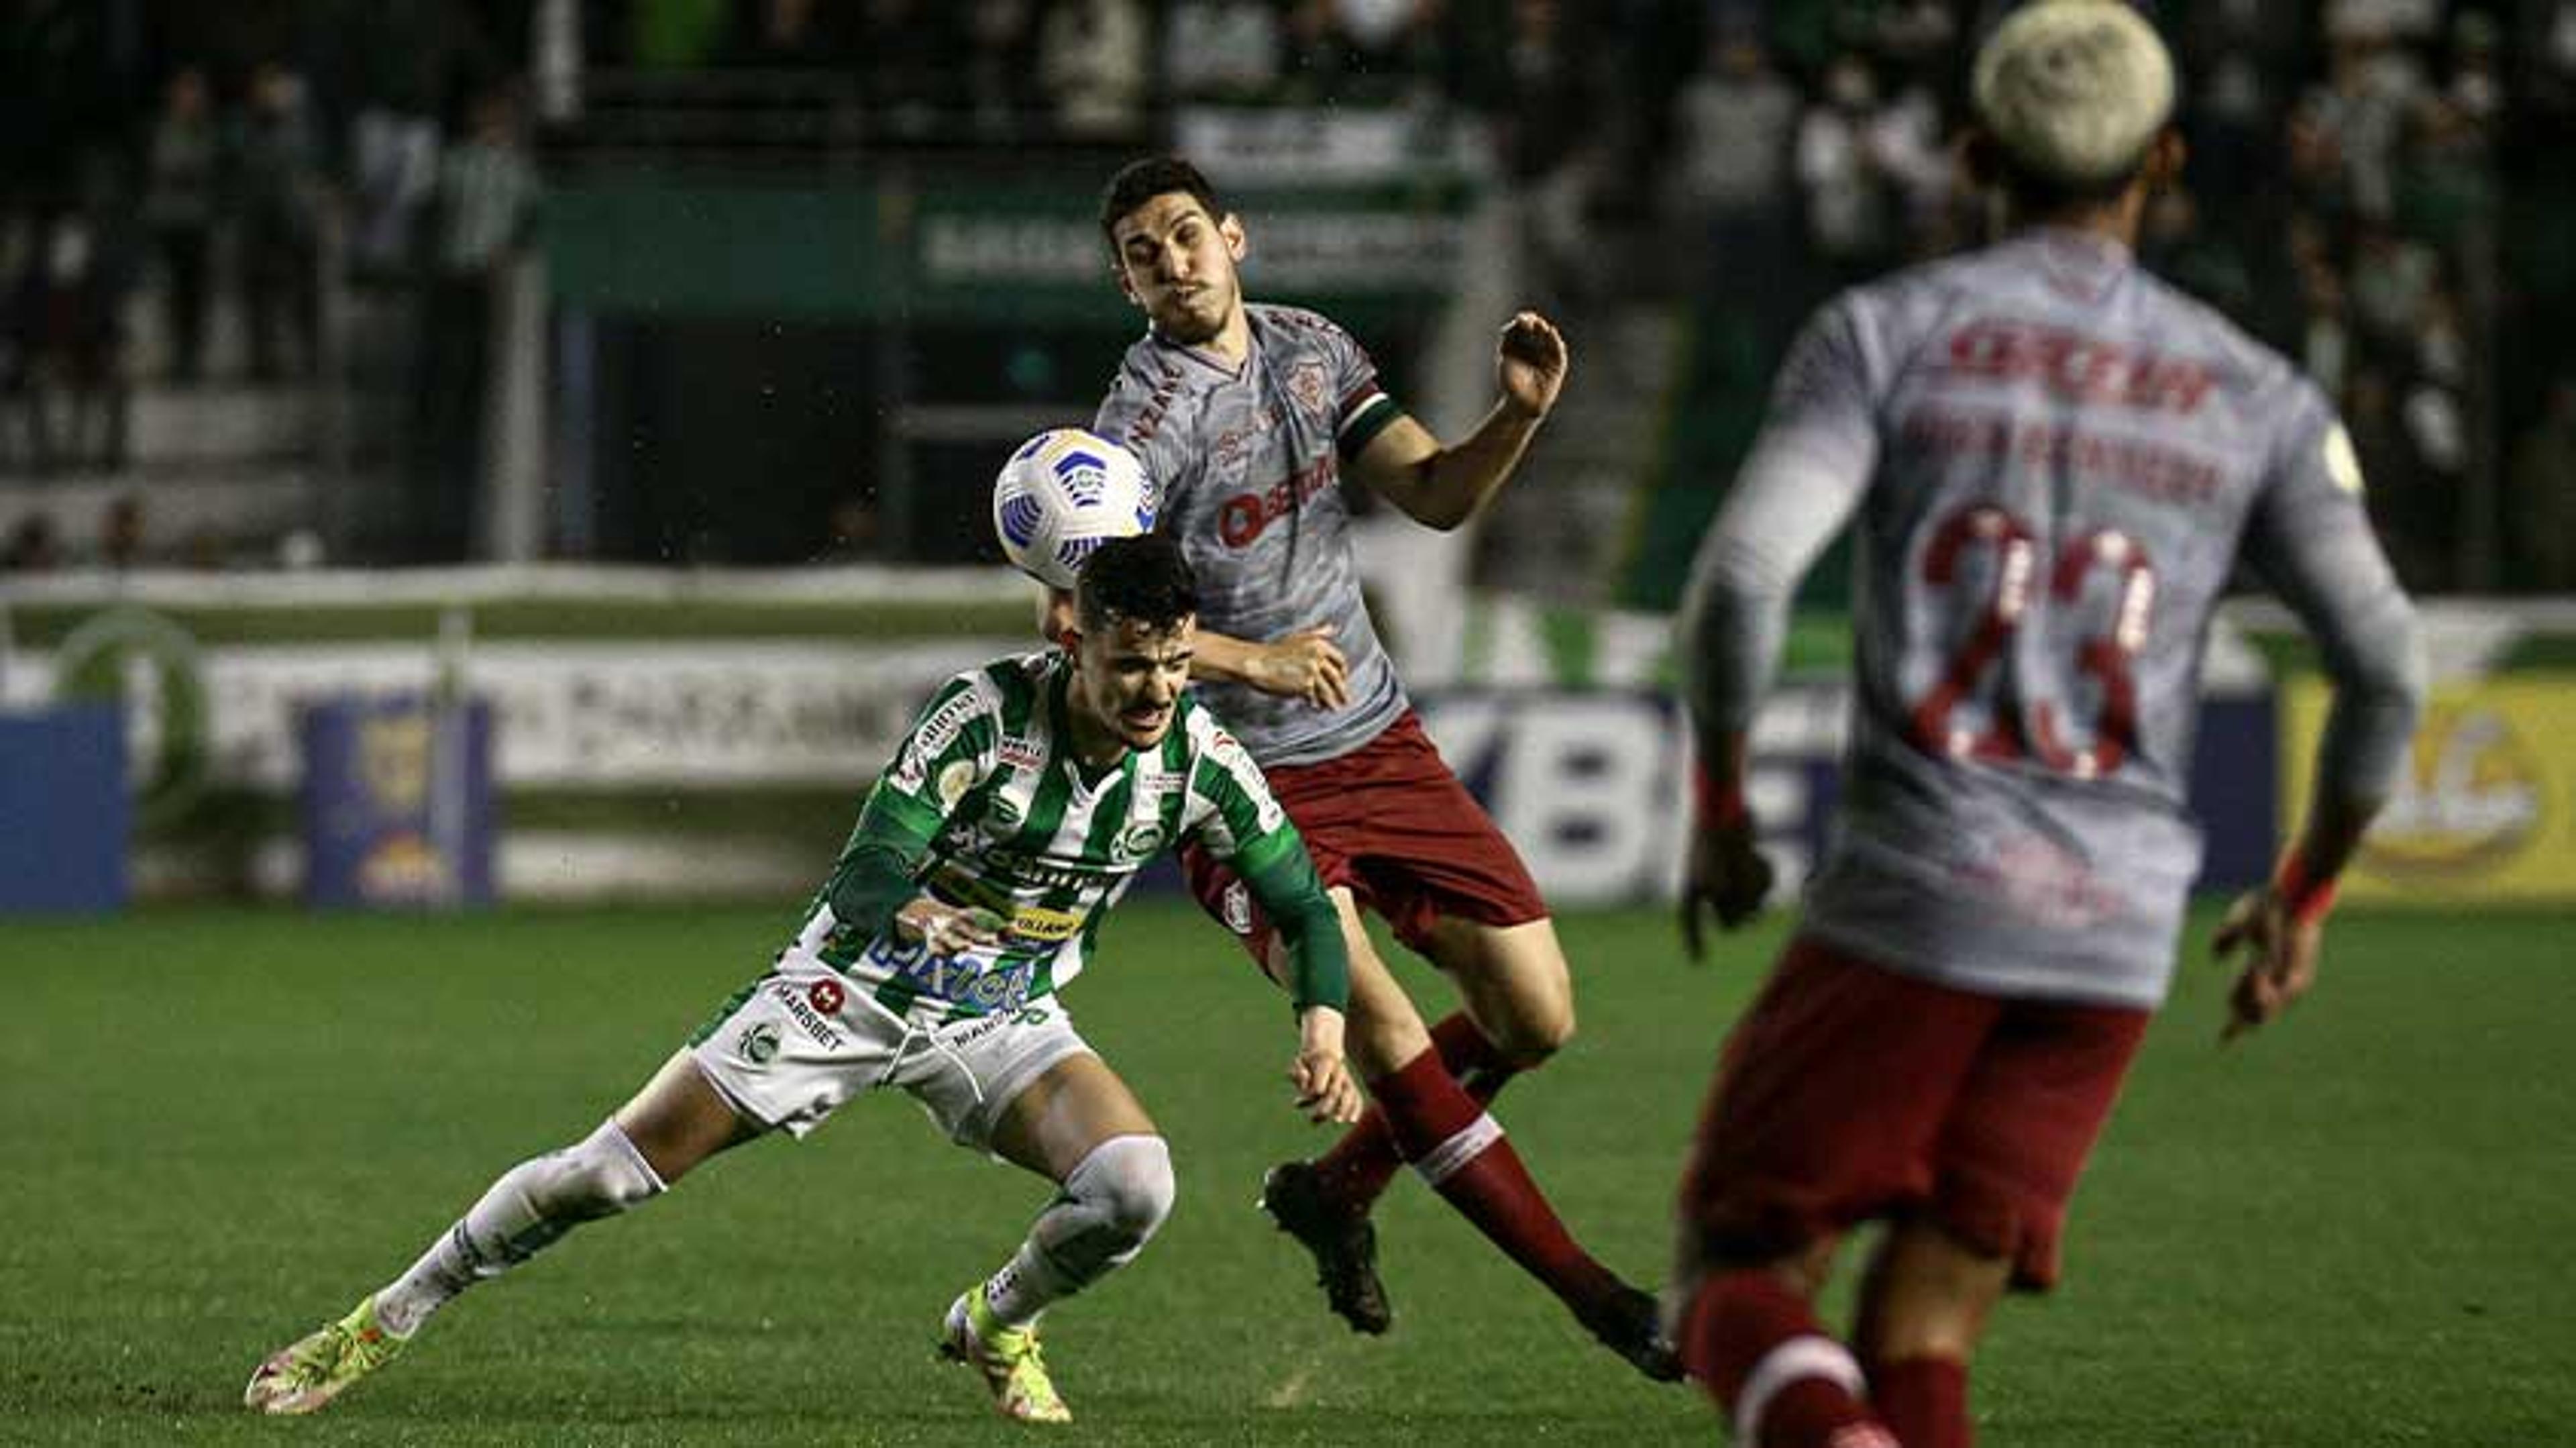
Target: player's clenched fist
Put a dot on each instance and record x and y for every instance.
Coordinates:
(1531, 363)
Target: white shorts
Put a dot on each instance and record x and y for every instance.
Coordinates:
(796, 1043)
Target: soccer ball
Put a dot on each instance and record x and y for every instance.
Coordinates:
(1064, 493)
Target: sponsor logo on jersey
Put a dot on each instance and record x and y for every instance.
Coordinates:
(954, 780)
(2342, 464)
(759, 1044)
(1243, 518)
(811, 1021)
(1038, 923)
(827, 996)
(2077, 367)
(1020, 753)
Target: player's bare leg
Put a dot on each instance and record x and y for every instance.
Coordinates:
(1750, 1337)
(1924, 1302)
(669, 1126)
(1079, 1126)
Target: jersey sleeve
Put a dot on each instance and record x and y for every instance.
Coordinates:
(950, 749)
(1231, 811)
(1139, 414)
(2309, 539)
(1361, 407)
(1806, 473)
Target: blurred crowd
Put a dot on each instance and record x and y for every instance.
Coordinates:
(2377, 187)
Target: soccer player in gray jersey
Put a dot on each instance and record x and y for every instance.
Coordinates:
(1246, 416)
(1017, 811)
(2054, 462)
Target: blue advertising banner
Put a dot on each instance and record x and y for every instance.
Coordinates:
(397, 802)
(64, 811)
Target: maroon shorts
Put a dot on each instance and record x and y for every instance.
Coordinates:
(1850, 1092)
(1390, 822)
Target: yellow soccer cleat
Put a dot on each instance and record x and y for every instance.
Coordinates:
(312, 1370)
(1008, 1357)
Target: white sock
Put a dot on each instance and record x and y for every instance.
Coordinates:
(518, 1216)
(1110, 1204)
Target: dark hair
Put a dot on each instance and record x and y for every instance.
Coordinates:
(1143, 579)
(1141, 181)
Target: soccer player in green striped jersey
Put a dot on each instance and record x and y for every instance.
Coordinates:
(1016, 812)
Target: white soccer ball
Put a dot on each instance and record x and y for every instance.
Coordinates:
(1064, 493)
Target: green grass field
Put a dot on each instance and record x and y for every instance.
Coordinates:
(222, 1126)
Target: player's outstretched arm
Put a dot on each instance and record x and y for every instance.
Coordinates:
(1304, 665)
(1443, 485)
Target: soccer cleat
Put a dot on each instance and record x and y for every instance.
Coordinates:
(1632, 1327)
(1344, 1243)
(1008, 1357)
(312, 1370)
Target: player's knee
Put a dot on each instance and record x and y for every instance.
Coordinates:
(1530, 1037)
(1128, 1181)
(598, 1176)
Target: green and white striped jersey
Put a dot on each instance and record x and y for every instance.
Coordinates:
(1014, 825)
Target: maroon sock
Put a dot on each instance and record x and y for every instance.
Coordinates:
(1924, 1401)
(1736, 1323)
(1445, 1133)
(1360, 1165)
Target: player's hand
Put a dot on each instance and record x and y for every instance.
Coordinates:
(2280, 953)
(945, 929)
(1531, 364)
(1304, 665)
(1727, 875)
(1325, 1089)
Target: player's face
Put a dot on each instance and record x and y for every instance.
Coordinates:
(1130, 678)
(1177, 262)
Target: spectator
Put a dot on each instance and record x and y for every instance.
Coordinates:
(1221, 50)
(1851, 198)
(183, 167)
(484, 212)
(1092, 63)
(34, 546)
(1000, 41)
(281, 226)
(1736, 125)
(2541, 526)
(121, 533)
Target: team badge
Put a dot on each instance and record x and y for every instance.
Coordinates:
(759, 1044)
(1236, 906)
(1306, 384)
(1140, 840)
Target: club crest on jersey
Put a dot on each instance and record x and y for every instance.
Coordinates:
(1235, 905)
(1140, 840)
(955, 779)
(1306, 384)
(759, 1044)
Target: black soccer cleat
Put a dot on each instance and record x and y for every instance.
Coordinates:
(1344, 1244)
(1632, 1327)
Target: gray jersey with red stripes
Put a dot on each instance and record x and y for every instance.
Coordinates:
(1247, 461)
(2054, 463)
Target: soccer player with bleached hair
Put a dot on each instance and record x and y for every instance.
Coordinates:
(2053, 463)
(1248, 416)
(1012, 817)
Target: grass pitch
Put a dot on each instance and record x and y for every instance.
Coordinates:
(221, 1127)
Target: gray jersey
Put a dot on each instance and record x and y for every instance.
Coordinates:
(1247, 460)
(2055, 462)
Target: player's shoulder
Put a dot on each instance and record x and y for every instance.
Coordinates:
(1207, 734)
(2263, 372)
(1285, 323)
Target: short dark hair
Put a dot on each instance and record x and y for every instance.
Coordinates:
(1144, 579)
(1141, 181)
